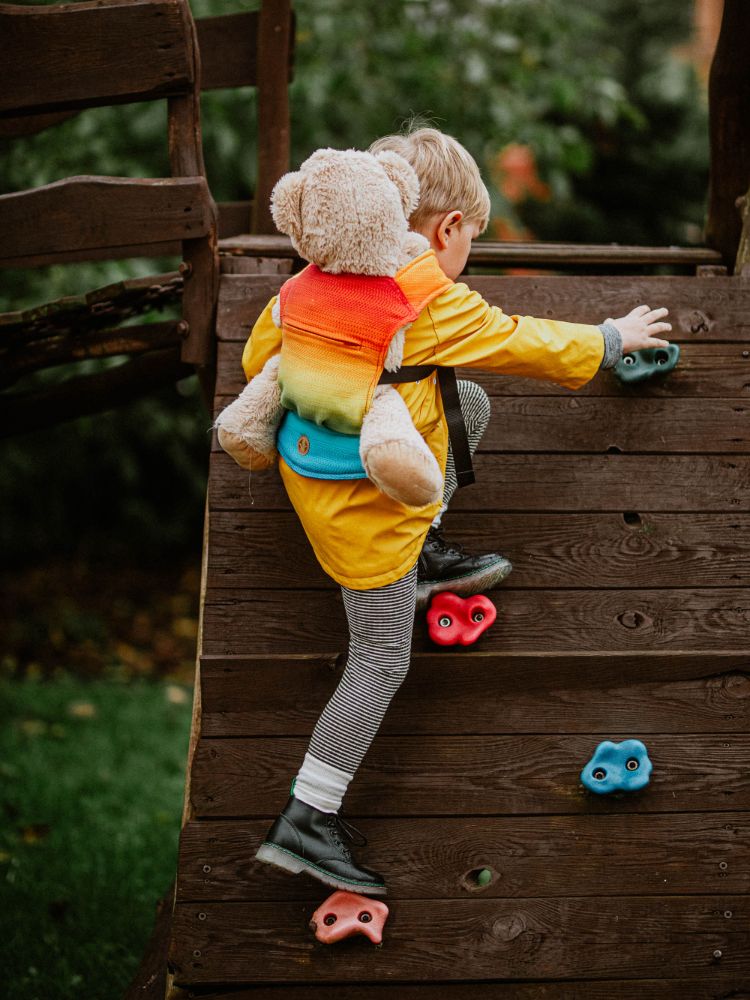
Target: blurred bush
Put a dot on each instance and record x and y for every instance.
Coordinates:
(586, 126)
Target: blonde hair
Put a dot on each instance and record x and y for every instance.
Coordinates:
(448, 174)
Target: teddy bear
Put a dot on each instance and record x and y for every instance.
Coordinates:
(346, 212)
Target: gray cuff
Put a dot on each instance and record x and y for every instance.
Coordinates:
(612, 345)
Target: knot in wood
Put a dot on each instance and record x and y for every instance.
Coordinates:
(508, 928)
(632, 619)
(698, 322)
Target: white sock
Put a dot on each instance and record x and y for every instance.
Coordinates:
(320, 785)
(436, 519)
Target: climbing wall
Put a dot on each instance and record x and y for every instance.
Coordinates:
(624, 510)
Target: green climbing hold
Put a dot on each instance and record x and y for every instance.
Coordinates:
(644, 364)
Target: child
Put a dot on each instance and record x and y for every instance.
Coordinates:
(380, 551)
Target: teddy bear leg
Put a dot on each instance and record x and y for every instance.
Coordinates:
(246, 429)
(395, 455)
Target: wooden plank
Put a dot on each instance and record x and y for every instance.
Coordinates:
(545, 482)
(704, 370)
(228, 49)
(601, 424)
(130, 51)
(611, 550)
(483, 775)
(433, 858)
(668, 692)
(729, 111)
(515, 252)
(229, 55)
(275, 38)
(719, 987)
(234, 216)
(707, 311)
(42, 225)
(571, 620)
(469, 939)
(28, 357)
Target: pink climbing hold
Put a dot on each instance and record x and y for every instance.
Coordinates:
(347, 913)
(454, 620)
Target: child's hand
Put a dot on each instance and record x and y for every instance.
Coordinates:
(639, 328)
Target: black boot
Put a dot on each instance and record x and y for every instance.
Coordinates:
(305, 839)
(445, 565)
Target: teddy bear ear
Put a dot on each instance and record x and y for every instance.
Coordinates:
(403, 175)
(286, 204)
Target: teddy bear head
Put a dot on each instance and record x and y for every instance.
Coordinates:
(347, 211)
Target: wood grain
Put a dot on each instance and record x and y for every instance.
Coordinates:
(537, 252)
(639, 549)
(574, 620)
(481, 775)
(546, 483)
(527, 856)
(470, 939)
(707, 311)
(704, 370)
(42, 225)
(719, 987)
(502, 693)
(130, 51)
(595, 424)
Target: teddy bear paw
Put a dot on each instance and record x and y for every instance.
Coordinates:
(406, 474)
(244, 454)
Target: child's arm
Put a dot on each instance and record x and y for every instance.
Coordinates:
(264, 341)
(469, 332)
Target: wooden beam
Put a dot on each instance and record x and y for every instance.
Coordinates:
(729, 128)
(120, 52)
(273, 107)
(229, 50)
(492, 252)
(82, 214)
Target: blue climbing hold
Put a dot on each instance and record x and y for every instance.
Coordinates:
(617, 767)
(649, 361)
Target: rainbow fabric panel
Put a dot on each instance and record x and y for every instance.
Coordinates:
(336, 329)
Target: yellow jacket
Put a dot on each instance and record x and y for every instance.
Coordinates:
(361, 537)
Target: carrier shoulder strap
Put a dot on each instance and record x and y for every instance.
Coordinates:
(451, 405)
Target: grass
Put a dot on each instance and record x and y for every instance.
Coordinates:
(91, 786)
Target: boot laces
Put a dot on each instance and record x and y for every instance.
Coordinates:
(338, 826)
(443, 545)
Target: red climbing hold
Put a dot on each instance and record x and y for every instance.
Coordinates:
(454, 620)
(346, 913)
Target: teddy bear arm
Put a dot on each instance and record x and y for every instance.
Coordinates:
(394, 454)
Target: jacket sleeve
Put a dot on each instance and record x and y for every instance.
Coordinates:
(264, 341)
(471, 333)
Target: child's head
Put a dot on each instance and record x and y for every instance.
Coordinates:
(454, 206)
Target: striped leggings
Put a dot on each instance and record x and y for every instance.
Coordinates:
(380, 630)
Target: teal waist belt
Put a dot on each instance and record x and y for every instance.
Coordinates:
(318, 452)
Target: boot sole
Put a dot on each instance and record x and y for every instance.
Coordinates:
(464, 586)
(280, 857)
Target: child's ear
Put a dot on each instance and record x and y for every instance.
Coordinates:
(286, 204)
(403, 175)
